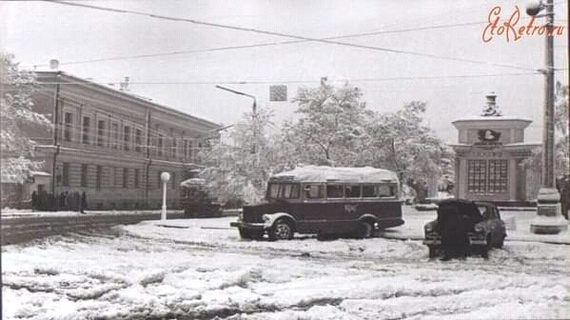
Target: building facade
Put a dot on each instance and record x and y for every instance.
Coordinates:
(490, 152)
(113, 145)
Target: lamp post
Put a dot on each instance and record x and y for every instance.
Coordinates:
(164, 177)
(549, 220)
(253, 110)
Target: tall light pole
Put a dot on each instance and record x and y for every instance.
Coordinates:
(549, 220)
(253, 110)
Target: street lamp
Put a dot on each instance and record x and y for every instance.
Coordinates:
(549, 220)
(164, 177)
(253, 109)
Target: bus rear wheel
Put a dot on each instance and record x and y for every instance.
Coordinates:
(365, 229)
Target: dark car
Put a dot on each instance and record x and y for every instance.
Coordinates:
(464, 227)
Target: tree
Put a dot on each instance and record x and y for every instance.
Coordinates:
(238, 167)
(401, 142)
(16, 112)
(331, 128)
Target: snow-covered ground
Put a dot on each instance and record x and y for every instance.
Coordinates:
(200, 269)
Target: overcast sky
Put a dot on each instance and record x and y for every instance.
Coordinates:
(398, 51)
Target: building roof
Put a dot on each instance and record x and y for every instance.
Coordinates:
(71, 79)
(339, 174)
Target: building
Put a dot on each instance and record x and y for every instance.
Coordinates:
(113, 145)
(490, 152)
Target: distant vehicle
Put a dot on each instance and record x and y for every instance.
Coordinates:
(325, 201)
(197, 200)
(466, 226)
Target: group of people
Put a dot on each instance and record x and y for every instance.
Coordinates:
(66, 201)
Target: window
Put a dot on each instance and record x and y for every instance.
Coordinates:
(335, 191)
(487, 176)
(314, 191)
(65, 174)
(68, 126)
(98, 175)
(284, 190)
(138, 140)
(369, 191)
(159, 180)
(173, 180)
(126, 138)
(185, 149)
(497, 176)
(190, 151)
(114, 135)
(83, 175)
(86, 128)
(137, 173)
(125, 178)
(159, 147)
(386, 190)
(352, 191)
(101, 133)
(174, 147)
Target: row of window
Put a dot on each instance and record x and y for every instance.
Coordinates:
(487, 176)
(124, 137)
(117, 177)
(317, 191)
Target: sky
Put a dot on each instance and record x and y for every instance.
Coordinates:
(176, 52)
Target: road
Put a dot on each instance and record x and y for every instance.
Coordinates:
(201, 269)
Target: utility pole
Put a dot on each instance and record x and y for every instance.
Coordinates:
(549, 219)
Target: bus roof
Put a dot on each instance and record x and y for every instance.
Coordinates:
(336, 174)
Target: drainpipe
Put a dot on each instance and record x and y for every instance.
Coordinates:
(55, 135)
(148, 159)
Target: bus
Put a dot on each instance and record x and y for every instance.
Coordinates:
(325, 201)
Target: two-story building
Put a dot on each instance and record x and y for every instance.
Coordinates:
(113, 145)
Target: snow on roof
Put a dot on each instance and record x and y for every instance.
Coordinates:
(344, 174)
(193, 182)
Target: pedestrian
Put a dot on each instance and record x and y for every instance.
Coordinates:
(83, 205)
(34, 201)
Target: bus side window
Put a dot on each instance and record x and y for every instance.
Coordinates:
(335, 191)
(314, 191)
(352, 191)
(369, 191)
(385, 191)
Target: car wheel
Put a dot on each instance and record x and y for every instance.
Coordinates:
(485, 249)
(364, 230)
(501, 243)
(281, 230)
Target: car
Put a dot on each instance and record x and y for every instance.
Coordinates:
(464, 227)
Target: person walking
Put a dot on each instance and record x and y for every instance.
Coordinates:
(83, 205)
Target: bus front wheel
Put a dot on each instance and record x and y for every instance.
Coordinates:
(281, 230)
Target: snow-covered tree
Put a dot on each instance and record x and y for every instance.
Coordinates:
(16, 112)
(400, 141)
(239, 166)
(331, 129)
